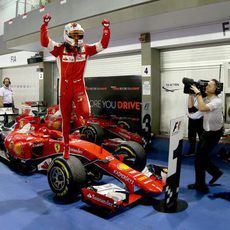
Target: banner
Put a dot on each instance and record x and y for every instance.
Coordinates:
(118, 97)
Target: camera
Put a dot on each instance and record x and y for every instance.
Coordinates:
(201, 85)
(188, 82)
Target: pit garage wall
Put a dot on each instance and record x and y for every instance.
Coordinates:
(26, 80)
(197, 63)
(204, 62)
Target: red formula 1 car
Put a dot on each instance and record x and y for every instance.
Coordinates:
(30, 141)
(33, 145)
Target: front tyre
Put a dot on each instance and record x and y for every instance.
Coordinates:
(66, 177)
(132, 154)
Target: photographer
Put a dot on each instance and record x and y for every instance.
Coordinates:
(211, 106)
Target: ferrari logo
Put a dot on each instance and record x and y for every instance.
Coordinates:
(57, 147)
(21, 124)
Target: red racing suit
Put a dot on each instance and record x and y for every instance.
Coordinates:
(71, 66)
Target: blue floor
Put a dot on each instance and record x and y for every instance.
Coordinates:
(26, 202)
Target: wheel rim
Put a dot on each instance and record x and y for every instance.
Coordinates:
(57, 178)
(90, 135)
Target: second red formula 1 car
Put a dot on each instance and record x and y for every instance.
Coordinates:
(109, 132)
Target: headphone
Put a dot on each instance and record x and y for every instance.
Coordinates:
(6, 78)
(219, 86)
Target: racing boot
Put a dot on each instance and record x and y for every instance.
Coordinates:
(66, 152)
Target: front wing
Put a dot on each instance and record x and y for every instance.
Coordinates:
(109, 196)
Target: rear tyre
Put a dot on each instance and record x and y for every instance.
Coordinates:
(66, 177)
(132, 154)
(93, 133)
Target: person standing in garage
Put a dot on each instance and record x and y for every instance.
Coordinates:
(211, 106)
(6, 94)
(71, 57)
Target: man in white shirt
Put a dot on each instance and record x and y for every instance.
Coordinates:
(211, 106)
(6, 94)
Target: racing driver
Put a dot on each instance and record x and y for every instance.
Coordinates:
(72, 56)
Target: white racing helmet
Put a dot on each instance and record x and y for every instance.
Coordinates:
(73, 34)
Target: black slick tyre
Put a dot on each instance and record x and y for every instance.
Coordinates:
(66, 177)
(93, 133)
(132, 154)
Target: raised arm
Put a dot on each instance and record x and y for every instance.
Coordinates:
(103, 44)
(44, 36)
(106, 34)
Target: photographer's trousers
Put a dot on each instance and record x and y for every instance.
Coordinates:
(203, 162)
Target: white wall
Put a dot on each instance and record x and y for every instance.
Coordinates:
(7, 12)
(129, 64)
(24, 82)
(24, 78)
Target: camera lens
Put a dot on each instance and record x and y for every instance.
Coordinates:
(187, 81)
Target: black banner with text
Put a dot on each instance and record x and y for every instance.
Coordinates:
(117, 97)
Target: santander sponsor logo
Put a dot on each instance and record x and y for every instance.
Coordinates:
(93, 197)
